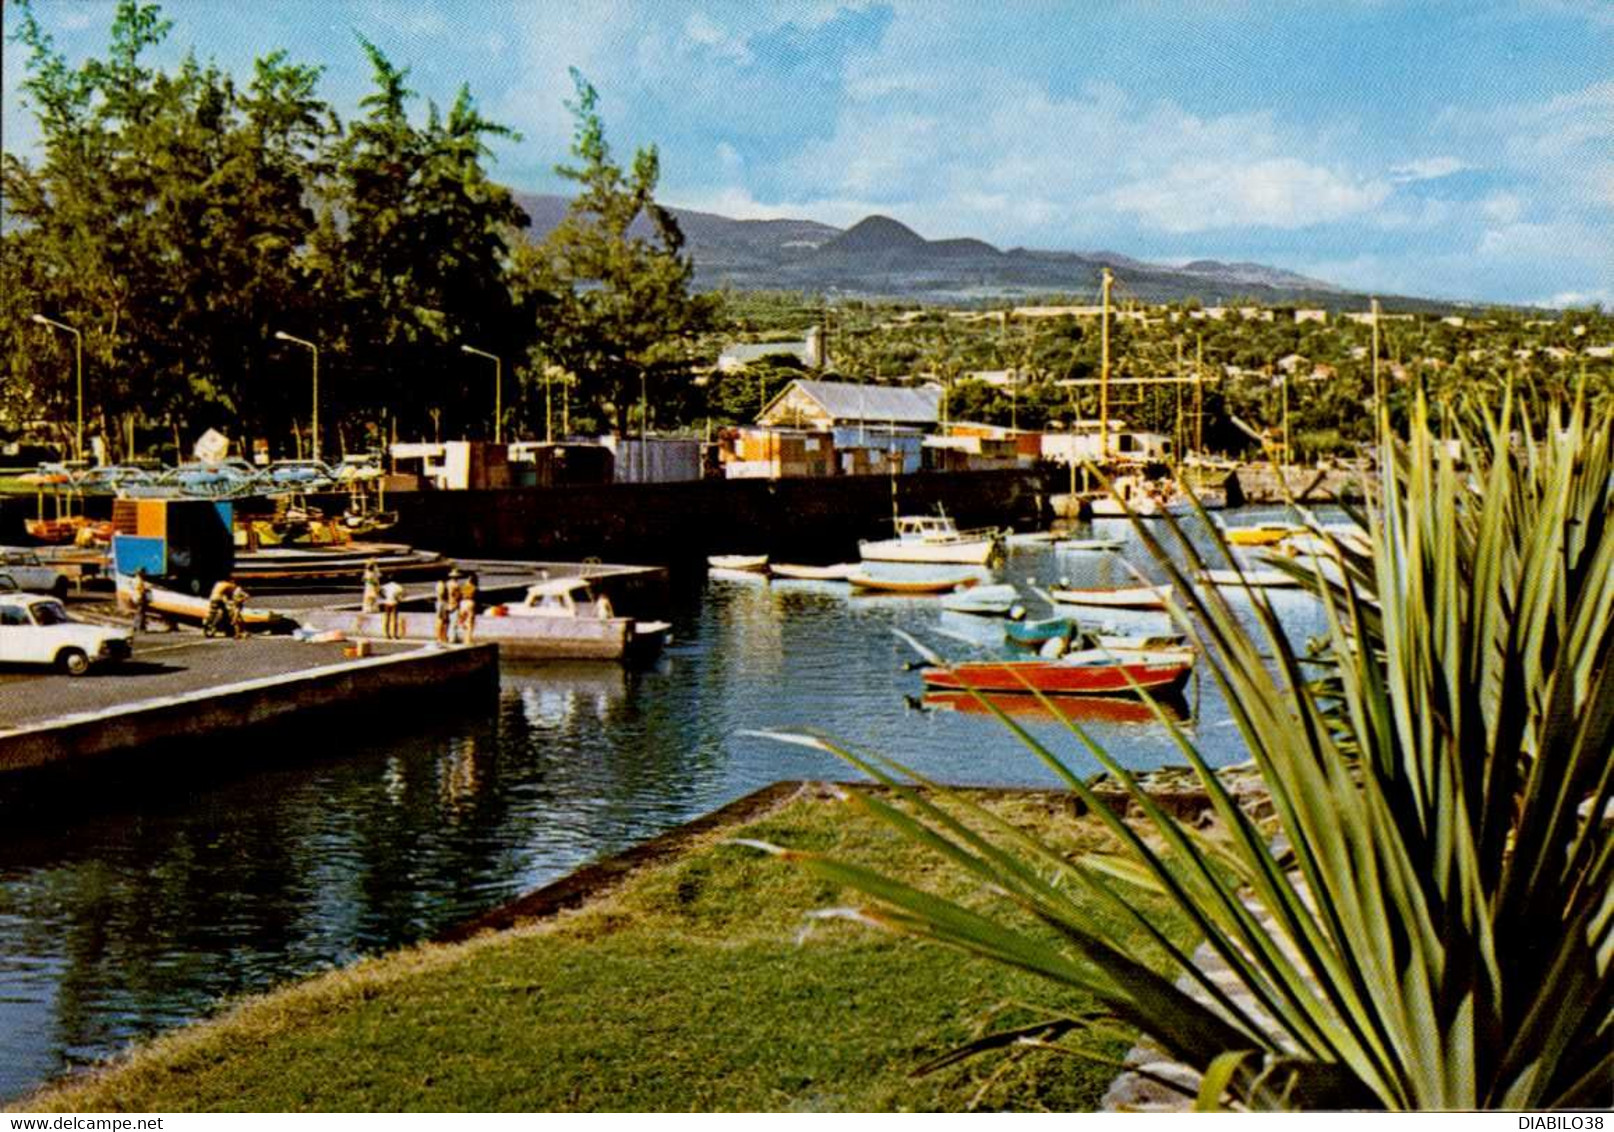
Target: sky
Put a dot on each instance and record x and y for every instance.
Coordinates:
(1460, 150)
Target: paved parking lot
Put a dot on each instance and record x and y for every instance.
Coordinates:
(164, 664)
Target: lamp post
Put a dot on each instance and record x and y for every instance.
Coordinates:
(314, 430)
(498, 389)
(78, 370)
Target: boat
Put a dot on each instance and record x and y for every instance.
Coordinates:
(1037, 634)
(1089, 545)
(746, 563)
(1115, 597)
(1030, 538)
(987, 601)
(933, 539)
(189, 607)
(556, 619)
(1264, 579)
(1090, 672)
(933, 584)
(836, 573)
(1026, 705)
(1260, 534)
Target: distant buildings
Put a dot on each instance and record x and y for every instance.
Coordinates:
(809, 352)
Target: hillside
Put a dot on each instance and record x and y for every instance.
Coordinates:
(881, 256)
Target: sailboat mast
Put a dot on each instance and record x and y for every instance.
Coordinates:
(1104, 373)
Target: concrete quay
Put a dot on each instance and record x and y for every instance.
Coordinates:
(196, 688)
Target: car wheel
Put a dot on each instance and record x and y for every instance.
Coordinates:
(58, 589)
(74, 662)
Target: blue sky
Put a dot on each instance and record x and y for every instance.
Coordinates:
(1463, 150)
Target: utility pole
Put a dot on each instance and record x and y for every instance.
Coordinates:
(78, 370)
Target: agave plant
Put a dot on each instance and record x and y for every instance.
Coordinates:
(1434, 929)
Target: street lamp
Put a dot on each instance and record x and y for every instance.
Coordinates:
(314, 431)
(78, 369)
(498, 389)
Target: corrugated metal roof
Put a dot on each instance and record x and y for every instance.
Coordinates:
(844, 401)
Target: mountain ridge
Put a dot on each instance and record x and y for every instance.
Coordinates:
(880, 256)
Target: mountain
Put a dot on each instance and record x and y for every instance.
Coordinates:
(882, 257)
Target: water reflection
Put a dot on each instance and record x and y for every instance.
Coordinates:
(129, 905)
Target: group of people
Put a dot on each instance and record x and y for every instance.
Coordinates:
(454, 605)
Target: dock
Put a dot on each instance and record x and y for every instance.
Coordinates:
(182, 688)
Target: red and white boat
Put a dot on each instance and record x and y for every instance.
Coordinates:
(1093, 672)
(1115, 597)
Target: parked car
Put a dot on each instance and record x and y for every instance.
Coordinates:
(8, 584)
(37, 630)
(32, 574)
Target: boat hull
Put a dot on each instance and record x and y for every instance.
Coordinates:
(814, 573)
(1055, 678)
(1132, 597)
(983, 601)
(864, 581)
(965, 552)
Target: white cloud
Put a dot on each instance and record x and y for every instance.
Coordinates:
(1503, 208)
(1426, 169)
(1275, 193)
(1602, 295)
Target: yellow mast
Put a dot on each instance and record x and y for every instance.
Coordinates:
(1104, 373)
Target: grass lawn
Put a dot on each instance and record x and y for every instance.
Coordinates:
(697, 984)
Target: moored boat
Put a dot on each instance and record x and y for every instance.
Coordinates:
(1115, 597)
(1089, 545)
(1037, 634)
(933, 539)
(837, 573)
(1030, 538)
(1260, 534)
(746, 563)
(1091, 672)
(986, 601)
(1260, 579)
(931, 584)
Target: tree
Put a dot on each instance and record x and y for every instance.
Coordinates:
(165, 221)
(612, 279)
(413, 251)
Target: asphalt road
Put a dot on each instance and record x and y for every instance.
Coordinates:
(164, 664)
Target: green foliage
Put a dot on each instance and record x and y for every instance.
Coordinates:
(411, 255)
(612, 278)
(1439, 931)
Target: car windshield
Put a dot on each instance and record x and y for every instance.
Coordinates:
(50, 613)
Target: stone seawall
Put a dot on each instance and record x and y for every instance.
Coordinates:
(136, 728)
(1262, 483)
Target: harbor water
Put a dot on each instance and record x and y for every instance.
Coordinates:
(129, 908)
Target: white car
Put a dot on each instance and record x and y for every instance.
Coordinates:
(30, 573)
(37, 630)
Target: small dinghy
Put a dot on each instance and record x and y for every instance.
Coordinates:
(740, 563)
(984, 601)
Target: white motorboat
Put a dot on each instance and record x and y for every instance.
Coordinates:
(934, 538)
(1089, 545)
(837, 573)
(745, 563)
(1115, 597)
(1263, 579)
(985, 601)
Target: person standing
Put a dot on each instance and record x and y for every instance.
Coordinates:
(467, 621)
(142, 600)
(238, 613)
(372, 587)
(443, 608)
(391, 596)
